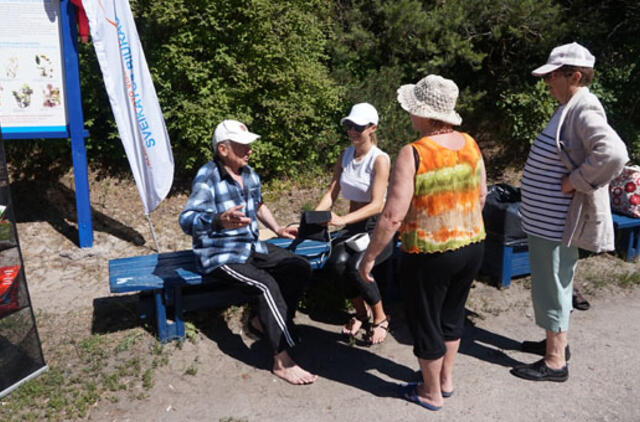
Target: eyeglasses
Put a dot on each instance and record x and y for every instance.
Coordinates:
(548, 76)
(349, 125)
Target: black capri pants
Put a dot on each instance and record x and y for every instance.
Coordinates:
(435, 288)
(343, 262)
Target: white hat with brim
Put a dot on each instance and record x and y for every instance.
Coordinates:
(362, 114)
(566, 55)
(433, 97)
(235, 131)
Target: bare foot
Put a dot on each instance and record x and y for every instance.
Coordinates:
(284, 367)
(352, 326)
(378, 331)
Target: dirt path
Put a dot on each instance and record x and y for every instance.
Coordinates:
(229, 378)
(360, 384)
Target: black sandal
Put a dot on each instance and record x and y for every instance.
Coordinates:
(378, 325)
(579, 302)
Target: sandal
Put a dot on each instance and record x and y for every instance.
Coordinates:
(347, 329)
(579, 302)
(384, 325)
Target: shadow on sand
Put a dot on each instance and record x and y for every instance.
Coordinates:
(487, 346)
(56, 205)
(323, 353)
(117, 313)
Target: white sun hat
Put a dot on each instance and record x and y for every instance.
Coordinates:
(233, 130)
(566, 55)
(433, 97)
(362, 114)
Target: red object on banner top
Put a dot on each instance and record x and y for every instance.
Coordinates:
(83, 21)
(7, 277)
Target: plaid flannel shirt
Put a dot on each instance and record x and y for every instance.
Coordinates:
(214, 191)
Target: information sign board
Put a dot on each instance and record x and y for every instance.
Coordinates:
(32, 94)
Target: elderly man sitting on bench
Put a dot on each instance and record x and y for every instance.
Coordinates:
(221, 216)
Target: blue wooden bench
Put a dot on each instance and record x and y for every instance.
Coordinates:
(168, 275)
(503, 261)
(627, 236)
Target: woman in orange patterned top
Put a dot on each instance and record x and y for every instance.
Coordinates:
(437, 191)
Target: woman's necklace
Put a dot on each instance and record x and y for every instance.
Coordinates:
(439, 131)
(357, 155)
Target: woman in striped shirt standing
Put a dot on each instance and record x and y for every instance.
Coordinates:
(565, 201)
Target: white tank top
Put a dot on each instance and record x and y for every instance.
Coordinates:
(357, 175)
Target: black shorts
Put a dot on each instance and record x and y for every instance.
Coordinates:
(435, 288)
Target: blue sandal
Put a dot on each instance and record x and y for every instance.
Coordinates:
(414, 398)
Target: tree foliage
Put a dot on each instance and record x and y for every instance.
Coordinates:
(291, 68)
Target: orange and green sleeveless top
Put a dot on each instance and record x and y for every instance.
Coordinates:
(445, 212)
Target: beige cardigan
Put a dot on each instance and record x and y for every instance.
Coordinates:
(594, 154)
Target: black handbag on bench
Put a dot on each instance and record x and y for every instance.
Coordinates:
(313, 226)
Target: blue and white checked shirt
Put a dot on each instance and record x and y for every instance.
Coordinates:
(214, 191)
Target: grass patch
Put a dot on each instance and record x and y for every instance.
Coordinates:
(629, 280)
(191, 370)
(83, 371)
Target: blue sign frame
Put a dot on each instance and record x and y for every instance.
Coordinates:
(75, 124)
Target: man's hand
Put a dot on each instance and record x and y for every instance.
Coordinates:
(233, 218)
(289, 232)
(567, 186)
(366, 265)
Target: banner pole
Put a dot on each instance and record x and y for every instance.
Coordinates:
(153, 233)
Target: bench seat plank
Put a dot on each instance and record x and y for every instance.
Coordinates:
(149, 272)
(165, 275)
(627, 236)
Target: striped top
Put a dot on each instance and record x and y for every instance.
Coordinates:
(544, 206)
(213, 192)
(445, 212)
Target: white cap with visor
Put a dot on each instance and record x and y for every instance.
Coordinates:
(233, 130)
(566, 55)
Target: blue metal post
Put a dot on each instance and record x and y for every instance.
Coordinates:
(76, 122)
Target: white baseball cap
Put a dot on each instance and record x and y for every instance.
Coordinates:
(233, 130)
(566, 55)
(362, 114)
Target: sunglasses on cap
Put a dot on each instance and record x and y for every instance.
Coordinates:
(349, 125)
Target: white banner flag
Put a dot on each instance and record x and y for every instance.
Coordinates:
(133, 98)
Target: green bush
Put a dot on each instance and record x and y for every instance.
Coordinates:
(525, 113)
(261, 62)
(486, 47)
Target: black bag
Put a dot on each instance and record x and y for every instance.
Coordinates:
(313, 225)
(501, 213)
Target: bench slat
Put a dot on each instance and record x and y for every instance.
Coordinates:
(150, 272)
(623, 222)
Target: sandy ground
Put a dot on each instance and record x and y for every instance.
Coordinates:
(357, 383)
